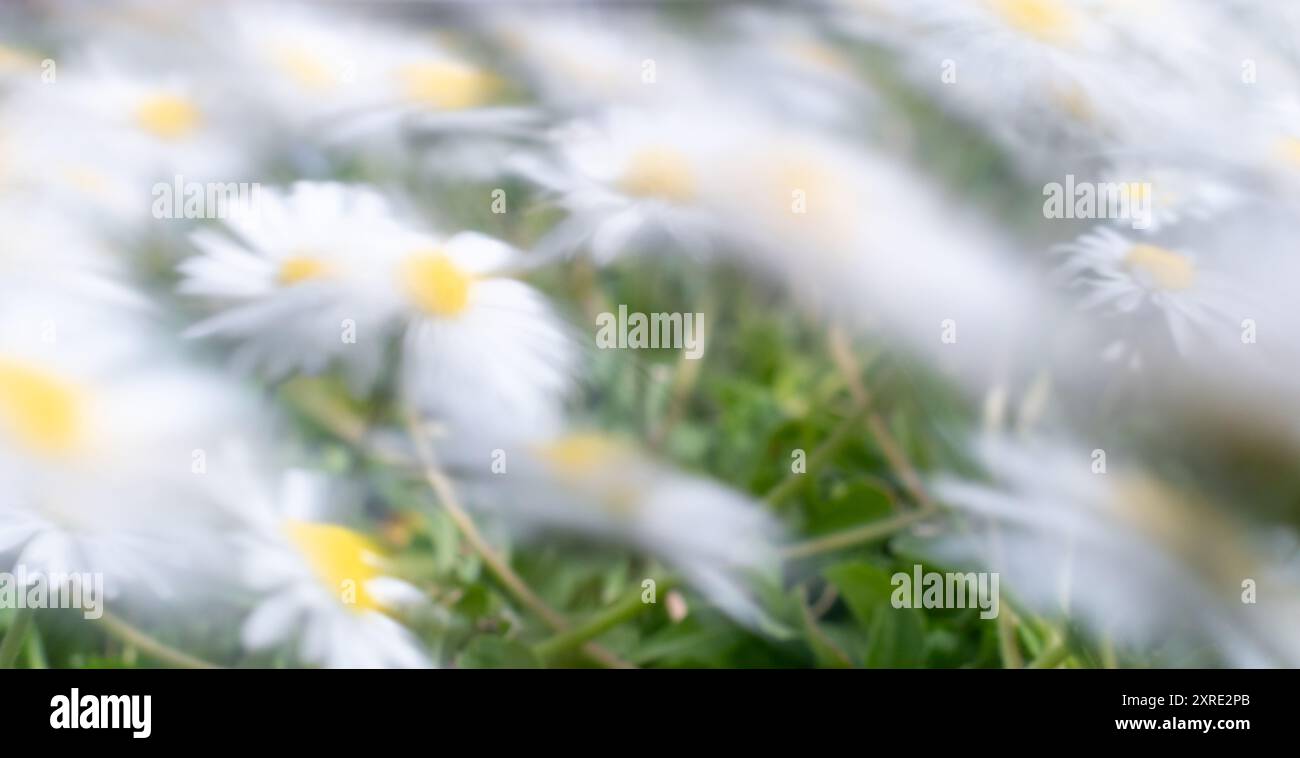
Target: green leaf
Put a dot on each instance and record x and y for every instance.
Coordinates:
(497, 653)
(895, 637)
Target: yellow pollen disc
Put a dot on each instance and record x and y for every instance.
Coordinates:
(342, 559)
(597, 465)
(448, 85)
(1169, 270)
(12, 59)
(306, 70)
(168, 116)
(1046, 20)
(44, 413)
(577, 453)
(435, 284)
(1138, 192)
(660, 172)
(301, 268)
(1075, 102)
(86, 180)
(1288, 149)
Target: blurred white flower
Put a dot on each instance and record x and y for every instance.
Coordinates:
(1176, 194)
(327, 275)
(1198, 300)
(44, 251)
(584, 61)
(633, 180)
(865, 239)
(17, 63)
(101, 454)
(334, 73)
(779, 61)
(481, 350)
(603, 487)
(1057, 81)
(324, 588)
(302, 283)
(1127, 554)
(139, 124)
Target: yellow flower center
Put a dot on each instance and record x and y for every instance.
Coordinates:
(301, 268)
(1046, 20)
(86, 179)
(805, 196)
(1074, 101)
(342, 559)
(577, 453)
(597, 465)
(44, 413)
(435, 284)
(12, 59)
(660, 172)
(1167, 269)
(306, 69)
(1288, 149)
(168, 116)
(447, 84)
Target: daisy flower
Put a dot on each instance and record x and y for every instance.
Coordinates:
(324, 587)
(17, 63)
(140, 125)
(800, 74)
(1122, 551)
(97, 453)
(605, 488)
(480, 350)
(631, 178)
(1196, 299)
(582, 61)
(1176, 194)
(317, 69)
(1054, 78)
(326, 275)
(299, 280)
(861, 237)
(44, 251)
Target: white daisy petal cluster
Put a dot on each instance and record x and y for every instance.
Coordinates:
(280, 280)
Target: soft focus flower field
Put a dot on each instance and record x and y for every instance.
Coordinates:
(302, 348)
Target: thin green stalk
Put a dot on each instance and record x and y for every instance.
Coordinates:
(446, 494)
(1012, 658)
(840, 435)
(629, 607)
(151, 646)
(1052, 656)
(14, 637)
(860, 535)
(36, 658)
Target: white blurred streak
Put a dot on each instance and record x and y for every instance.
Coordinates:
(1129, 555)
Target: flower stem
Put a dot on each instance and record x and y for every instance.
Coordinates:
(840, 435)
(1052, 656)
(625, 609)
(860, 535)
(14, 637)
(842, 355)
(1007, 646)
(446, 494)
(151, 646)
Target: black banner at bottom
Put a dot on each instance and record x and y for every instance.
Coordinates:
(211, 709)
